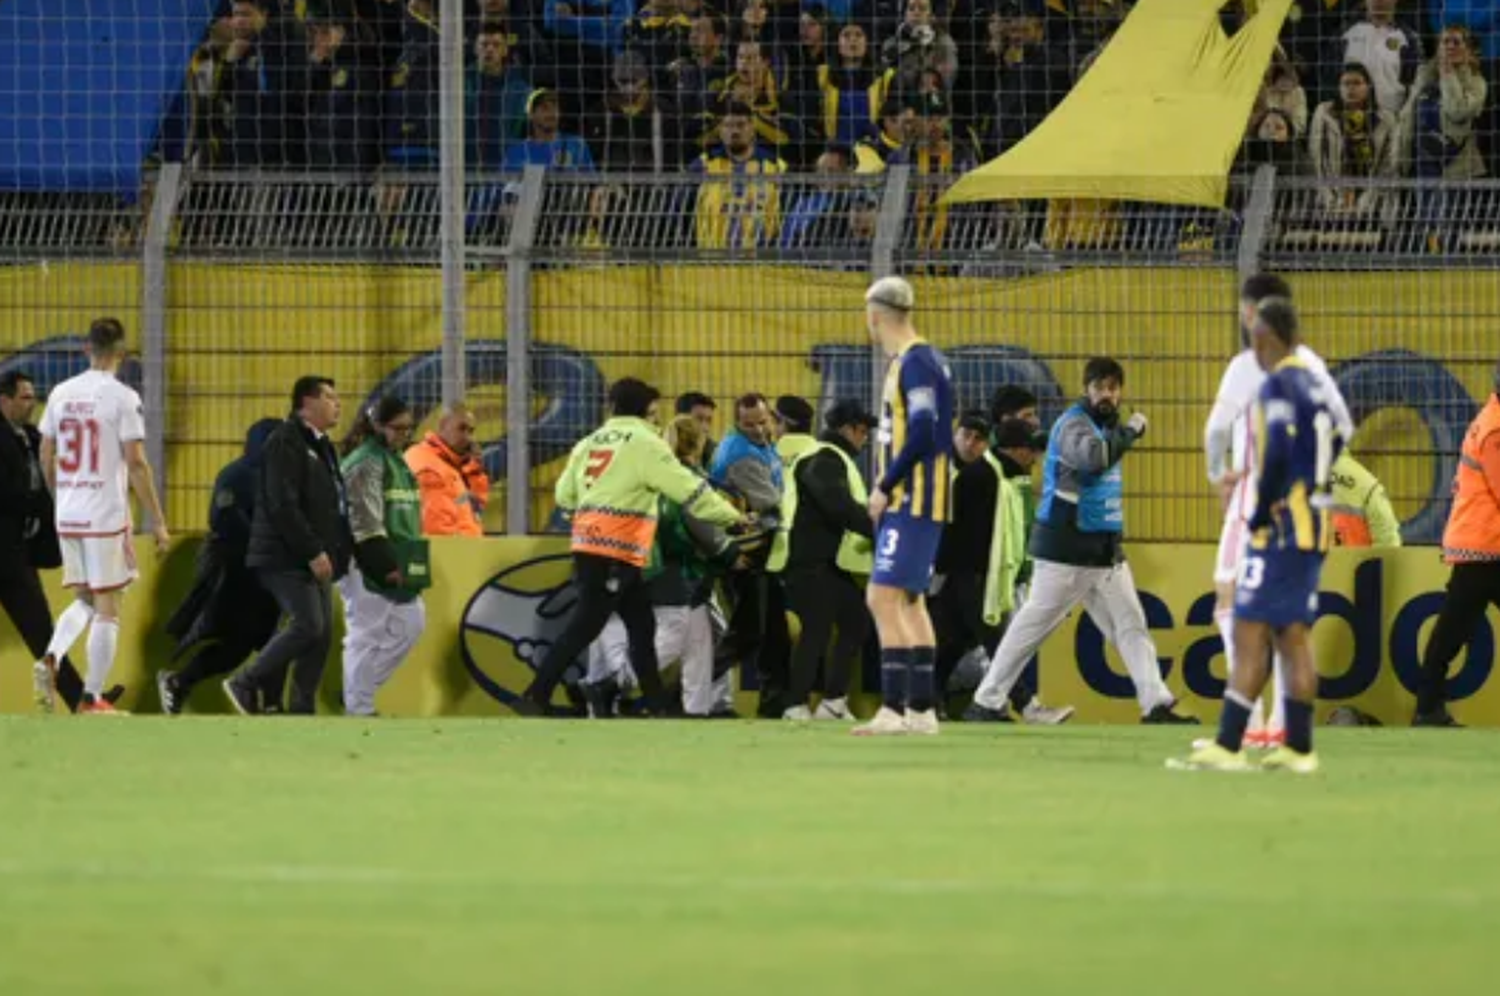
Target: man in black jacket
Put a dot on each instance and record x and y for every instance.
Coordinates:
(300, 543)
(227, 605)
(28, 537)
(827, 543)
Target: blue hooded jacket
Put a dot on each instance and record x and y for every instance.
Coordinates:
(232, 507)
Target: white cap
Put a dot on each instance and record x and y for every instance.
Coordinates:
(893, 293)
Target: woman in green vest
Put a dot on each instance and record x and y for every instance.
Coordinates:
(383, 612)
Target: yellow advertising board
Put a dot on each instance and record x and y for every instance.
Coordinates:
(497, 604)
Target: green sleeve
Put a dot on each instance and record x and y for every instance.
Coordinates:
(1385, 526)
(566, 491)
(663, 473)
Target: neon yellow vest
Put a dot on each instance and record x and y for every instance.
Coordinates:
(856, 553)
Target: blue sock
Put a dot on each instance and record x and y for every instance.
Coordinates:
(923, 664)
(895, 672)
(1233, 720)
(1299, 723)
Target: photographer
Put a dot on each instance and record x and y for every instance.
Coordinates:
(919, 47)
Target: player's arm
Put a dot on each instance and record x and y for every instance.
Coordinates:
(48, 458)
(663, 473)
(925, 438)
(144, 486)
(1218, 431)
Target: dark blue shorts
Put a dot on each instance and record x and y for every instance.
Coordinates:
(1279, 587)
(905, 549)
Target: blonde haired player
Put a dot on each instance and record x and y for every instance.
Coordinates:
(93, 455)
(1230, 446)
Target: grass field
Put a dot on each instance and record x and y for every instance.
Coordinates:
(339, 856)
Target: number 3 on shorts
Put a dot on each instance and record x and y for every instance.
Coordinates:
(1253, 573)
(888, 548)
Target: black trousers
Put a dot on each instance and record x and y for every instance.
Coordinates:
(1472, 588)
(958, 621)
(25, 601)
(823, 598)
(301, 648)
(758, 637)
(605, 586)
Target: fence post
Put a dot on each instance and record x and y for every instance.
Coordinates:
(518, 352)
(1259, 209)
(888, 229)
(454, 199)
(154, 323)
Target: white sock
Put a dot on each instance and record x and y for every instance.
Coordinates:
(70, 626)
(1225, 621)
(1278, 708)
(104, 634)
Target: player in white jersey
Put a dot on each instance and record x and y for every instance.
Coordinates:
(93, 455)
(1229, 445)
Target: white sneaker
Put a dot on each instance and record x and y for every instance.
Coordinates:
(834, 709)
(1037, 714)
(798, 714)
(44, 685)
(887, 723)
(922, 724)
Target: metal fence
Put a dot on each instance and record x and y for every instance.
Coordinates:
(543, 287)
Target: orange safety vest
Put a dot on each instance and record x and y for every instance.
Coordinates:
(1473, 531)
(454, 489)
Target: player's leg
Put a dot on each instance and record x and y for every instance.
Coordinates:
(1056, 589)
(110, 566)
(1115, 606)
(1470, 589)
(1300, 692)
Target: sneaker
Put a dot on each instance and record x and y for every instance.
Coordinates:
(1167, 715)
(166, 688)
(798, 714)
(1211, 758)
(603, 698)
(92, 706)
(835, 710)
(887, 723)
(44, 684)
(1286, 759)
(922, 724)
(241, 701)
(977, 713)
(1440, 717)
(1266, 739)
(1037, 714)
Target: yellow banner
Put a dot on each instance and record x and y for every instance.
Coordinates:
(497, 604)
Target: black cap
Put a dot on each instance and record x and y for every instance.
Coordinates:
(794, 413)
(975, 421)
(848, 411)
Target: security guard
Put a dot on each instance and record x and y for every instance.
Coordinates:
(1362, 514)
(823, 553)
(611, 486)
(1471, 543)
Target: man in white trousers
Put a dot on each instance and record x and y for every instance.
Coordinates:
(93, 455)
(1229, 447)
(1077, 549)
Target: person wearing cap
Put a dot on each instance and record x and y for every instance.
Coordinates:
(823, 552)
(795, 416)
(970, 439)
(547, 145)
(1471, 545)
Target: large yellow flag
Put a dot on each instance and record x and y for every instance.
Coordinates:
(1159, 117)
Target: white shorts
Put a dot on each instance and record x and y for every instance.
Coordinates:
(98, 563)
(1232, 540)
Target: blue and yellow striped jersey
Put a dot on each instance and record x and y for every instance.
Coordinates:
(916, 427)
(1297, 443)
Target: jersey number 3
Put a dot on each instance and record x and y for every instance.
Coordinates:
(599, 461)
(77, 445)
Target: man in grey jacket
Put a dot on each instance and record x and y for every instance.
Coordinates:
(1076, 544)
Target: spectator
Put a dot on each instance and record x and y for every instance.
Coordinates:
(340, 116)
(227, 607)
(528, 49)
(495, 96)
(898, 130)
(1283, 92)
(1350, 139)
(853, 89)
(1389, 50)
(1272, 142)
(1020, 77)
(815, 218)
(1435, 132)
(450, 476)
(588, 33)
(255, 81)
(700, 77)
(299, 545)
(754, 85)
(701, 407)
(804, 62)
(210, 107)
(754, 24)
(628, 131)
(659, 31)
(919, 46)
(383, 611)
(738, 214)
(413, 94)
(547, 145)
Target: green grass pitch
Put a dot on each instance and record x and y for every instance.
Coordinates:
(209, 855)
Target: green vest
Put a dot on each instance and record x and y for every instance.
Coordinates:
(403, 518)
(794, 445)
(1007, 545)
(856, 553)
